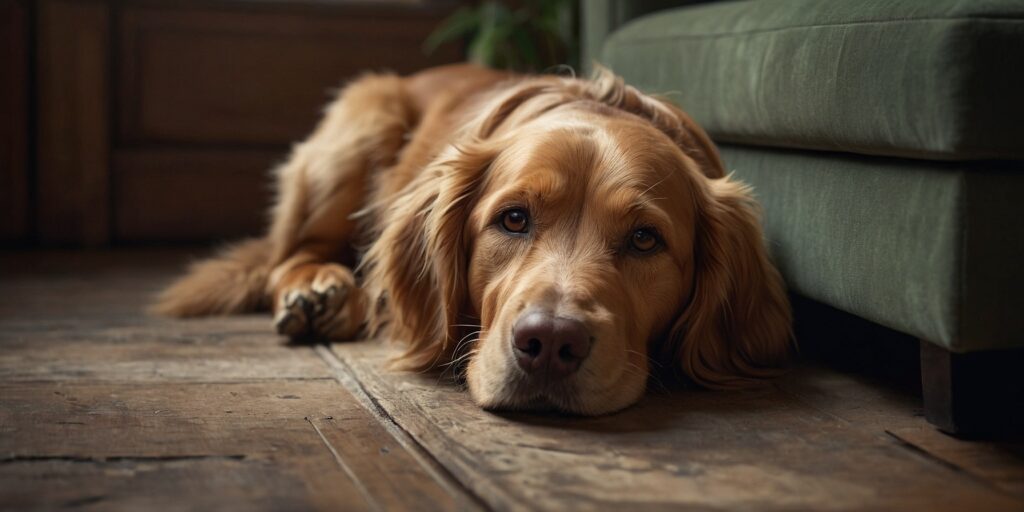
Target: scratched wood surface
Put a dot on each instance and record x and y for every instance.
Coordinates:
(763, 450)
(103, 408)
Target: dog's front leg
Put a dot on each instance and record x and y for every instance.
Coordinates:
(323, 184)
(316, 298)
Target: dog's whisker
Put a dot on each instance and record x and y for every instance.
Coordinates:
(457, 367)
(650, 375)
(463, 368)
(466, 340)
(644, 356)
(460, 358)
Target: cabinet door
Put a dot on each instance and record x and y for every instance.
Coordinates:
(210, 95)
(14, 194)
(72, 60)
(254, 77)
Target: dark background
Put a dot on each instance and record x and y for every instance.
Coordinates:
(142, 122)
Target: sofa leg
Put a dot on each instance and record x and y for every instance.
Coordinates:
(973, 394)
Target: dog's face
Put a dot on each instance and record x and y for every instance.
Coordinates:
(568, 244)
(581, 254)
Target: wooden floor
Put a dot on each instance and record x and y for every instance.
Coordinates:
(103, 408)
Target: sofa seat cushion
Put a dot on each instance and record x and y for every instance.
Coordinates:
(932, 249)
(939, 79)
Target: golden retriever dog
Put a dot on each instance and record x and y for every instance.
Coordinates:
(554, 237)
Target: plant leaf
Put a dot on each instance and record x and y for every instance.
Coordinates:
(483, 48)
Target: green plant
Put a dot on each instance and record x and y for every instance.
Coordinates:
(526, 35)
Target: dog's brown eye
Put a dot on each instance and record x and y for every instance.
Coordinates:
(643, 240)
(515, 221)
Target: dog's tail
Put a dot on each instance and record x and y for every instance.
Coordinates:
(233, 281)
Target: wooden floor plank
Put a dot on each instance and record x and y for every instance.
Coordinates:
(184, 424)
(886, 412)
(195, 350)
(281, 424)
(386, 472)
(195, 484)
(103, 407)
(68, 287)
(1001, 463)
(857, 400)
(763, 450)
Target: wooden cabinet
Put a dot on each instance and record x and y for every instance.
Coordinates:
(159, 121)
(73, 128)
(14, 141)
(203, 75)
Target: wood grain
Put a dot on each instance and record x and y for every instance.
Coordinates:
(102, 407)
(14, 171)
(197, 483)
(163, 195)
(159, 121)
(298, 442)
(203, 73)
(73, 151)
(154, 352)
(235, 425)
(284, 443)
(1000, 463)
(764, 450)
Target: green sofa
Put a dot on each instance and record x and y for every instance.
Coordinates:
(885, 140)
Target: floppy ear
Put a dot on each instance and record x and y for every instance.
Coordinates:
(418, 264)
(419, 261)
(737, 326)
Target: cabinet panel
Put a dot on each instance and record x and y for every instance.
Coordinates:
(14, 192)
(191, 195)
(253, 77)
(159, 120)
(73, 149)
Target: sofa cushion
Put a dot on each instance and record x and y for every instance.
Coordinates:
(933, 249)
(937, 79)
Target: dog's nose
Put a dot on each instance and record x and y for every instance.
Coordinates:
(546, 344)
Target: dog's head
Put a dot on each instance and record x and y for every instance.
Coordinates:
(577, 233)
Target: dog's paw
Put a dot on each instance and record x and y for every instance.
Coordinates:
(321, 303)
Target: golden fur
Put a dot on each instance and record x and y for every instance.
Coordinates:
(412, 172)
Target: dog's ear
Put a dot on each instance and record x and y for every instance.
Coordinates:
(610, 89)
(736, 328)
(418, 263)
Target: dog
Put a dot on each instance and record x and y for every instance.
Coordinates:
(554, 237)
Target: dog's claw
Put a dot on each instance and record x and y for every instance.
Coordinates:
(289, 324)
(298, 301)
(332, 299)
(320, 309)
(293, 318)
